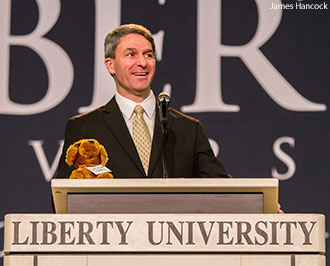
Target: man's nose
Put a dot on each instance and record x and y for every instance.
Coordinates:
(141, 61)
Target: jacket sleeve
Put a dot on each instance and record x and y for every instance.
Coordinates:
(205, 163)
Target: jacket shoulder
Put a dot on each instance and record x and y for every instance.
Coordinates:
(175, 114)
(88, 115)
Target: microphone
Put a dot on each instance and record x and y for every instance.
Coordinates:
(163, 102)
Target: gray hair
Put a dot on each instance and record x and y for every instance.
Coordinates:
(112, 39)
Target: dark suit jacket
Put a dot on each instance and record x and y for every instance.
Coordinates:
(188, 149)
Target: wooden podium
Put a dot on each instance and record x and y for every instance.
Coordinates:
(206, 195)
(165, 222)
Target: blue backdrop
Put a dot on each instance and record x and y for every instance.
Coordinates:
(255, 72)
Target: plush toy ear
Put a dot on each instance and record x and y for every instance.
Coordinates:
(71, 153)
(103, 155)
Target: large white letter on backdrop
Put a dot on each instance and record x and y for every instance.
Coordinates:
(209, 48)
(48, 170)
(107, 17)
(57, 62)
(286, 159)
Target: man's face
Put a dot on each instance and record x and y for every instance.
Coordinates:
(133, 67)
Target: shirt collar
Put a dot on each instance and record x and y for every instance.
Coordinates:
(127, 106)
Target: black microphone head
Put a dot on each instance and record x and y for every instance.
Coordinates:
(164, 96)
(163, 102)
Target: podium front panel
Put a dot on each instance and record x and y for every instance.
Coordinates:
(165, 203)
(164, 239)
(245, 233)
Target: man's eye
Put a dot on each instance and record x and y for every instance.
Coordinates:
(150, 55)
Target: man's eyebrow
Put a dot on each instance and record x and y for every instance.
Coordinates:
(129, 49)
(149, 51)
(134, 49)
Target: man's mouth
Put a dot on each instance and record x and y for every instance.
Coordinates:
(142, 74)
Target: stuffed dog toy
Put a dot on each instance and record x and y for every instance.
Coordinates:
(87, 153)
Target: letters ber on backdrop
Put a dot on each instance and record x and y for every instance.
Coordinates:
(209, 50)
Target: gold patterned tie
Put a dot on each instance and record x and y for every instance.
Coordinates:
(141, 137)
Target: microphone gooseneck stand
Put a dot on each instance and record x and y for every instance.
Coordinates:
(164, 153)
(163, 104)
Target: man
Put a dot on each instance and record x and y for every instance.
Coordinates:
(128, 125)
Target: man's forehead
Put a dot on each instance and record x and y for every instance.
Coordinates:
(134, 41)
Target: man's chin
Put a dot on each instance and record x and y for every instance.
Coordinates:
(143, 92)
(134, 91)
(141, 89)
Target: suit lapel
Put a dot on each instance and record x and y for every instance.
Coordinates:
(156, 147)
(115, 122)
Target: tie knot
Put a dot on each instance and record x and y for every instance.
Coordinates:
(138, 109)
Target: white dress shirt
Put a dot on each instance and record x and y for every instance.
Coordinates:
(127, 106)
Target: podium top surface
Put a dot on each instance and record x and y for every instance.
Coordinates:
(107, 185)
(267, 186)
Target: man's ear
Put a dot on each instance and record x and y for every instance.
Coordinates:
(109, 65)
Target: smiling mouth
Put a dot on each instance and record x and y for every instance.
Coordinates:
(141, 74)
